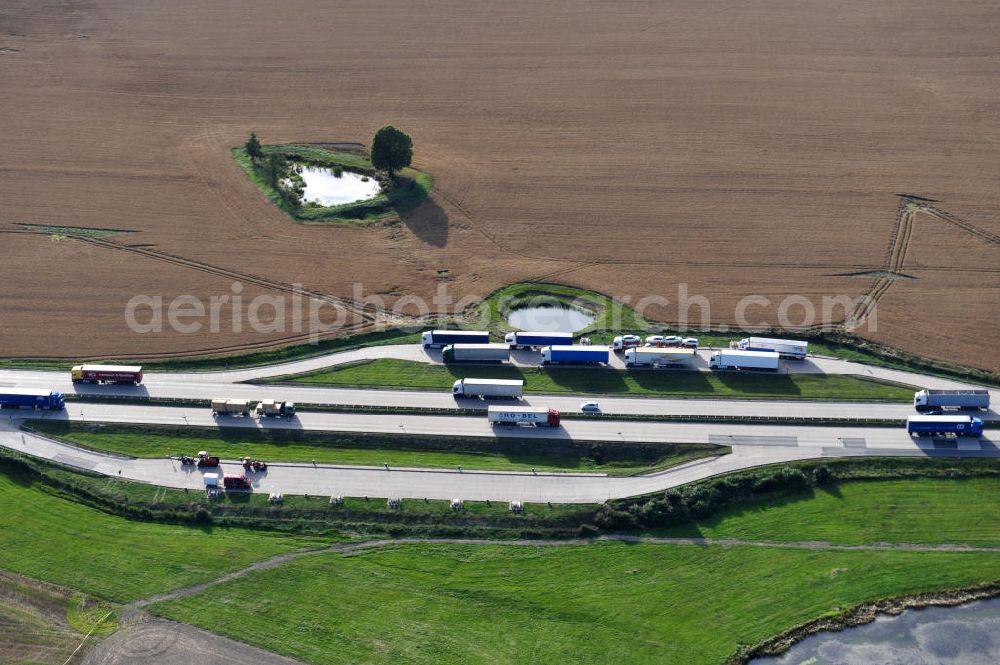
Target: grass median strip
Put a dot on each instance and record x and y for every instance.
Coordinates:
(378, 449)
(394, 373)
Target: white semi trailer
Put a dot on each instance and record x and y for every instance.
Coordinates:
(733, 359)
(526, 416)
(649, 356)
(786, 348)
(488, 388)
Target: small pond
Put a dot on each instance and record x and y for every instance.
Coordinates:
(323, 187)
(964, 635)
(549, 318)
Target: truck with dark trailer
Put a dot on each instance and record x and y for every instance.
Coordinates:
(32, 398)
(576, 355)
(533, 340)
(939, 401)
(436, 339)
(944, 426)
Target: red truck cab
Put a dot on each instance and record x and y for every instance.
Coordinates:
(236, 483)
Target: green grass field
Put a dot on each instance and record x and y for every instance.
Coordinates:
(607, 603)
(65, 543)
(900, 511)
(463, 603)
(375, 450)
(393, 373)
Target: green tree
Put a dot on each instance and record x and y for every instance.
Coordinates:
(276, 167)
(253, 148)
(392, 150)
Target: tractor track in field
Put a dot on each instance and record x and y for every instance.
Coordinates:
(366, 316)
(968, 227)
(894, 259)
(909, 207)
(352, 549)
(366, 312)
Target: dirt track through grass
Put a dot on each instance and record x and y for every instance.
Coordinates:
(349, 549)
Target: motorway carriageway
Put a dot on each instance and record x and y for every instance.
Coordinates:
(210, 385)
(752, 446)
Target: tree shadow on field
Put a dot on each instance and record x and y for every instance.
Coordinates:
(751, 508)
(673, 381)
(429, 222)
(759, 383)
(587, 380)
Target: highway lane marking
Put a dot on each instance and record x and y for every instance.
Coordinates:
(752, 440)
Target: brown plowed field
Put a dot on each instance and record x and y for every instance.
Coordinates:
(739, 147)
(157, 642)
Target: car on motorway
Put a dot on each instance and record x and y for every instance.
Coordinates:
(590, 407)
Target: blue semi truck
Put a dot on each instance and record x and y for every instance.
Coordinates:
(943, 425)
(576, 355)
(31, 398)
(442, 338)
(527, 340)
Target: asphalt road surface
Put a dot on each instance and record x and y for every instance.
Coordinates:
(209, 385)
(752, 445)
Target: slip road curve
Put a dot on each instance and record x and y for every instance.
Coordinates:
(752, 446)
